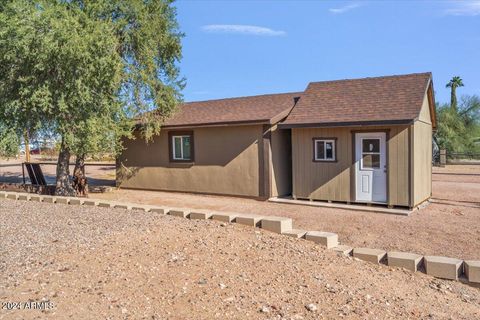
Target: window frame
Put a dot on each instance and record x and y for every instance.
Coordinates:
(379, 153)
(171, 146)
(333, 140)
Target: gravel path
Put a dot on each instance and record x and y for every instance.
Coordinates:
(113, 264)
(450, 228)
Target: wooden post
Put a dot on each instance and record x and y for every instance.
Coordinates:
(26, 140)
(443, 157)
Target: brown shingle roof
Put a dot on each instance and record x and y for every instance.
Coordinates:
(269, 108)
(392, 99)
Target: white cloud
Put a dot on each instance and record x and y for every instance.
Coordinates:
(242, 29)
(344, 9)
(464, 8)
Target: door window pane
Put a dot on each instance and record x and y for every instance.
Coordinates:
(186, 148)
(371, 145)
(371, 161)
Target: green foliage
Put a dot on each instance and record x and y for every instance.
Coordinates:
(9, 142)
(59, 69)
(149, 42)
(454, 83)
(459, 130)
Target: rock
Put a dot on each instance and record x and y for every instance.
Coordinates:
(311, 307)
(222, 286)
(265, 309)
(202, 281)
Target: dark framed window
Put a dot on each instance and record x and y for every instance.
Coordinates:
(181, 146)
(325, 149)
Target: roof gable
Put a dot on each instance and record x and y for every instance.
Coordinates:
(392, 99)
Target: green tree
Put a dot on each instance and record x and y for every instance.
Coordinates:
(459, 130)
(149, 43)
(453, 84)
(9, 142)
(59, 68)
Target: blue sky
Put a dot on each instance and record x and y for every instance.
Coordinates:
(239, 48)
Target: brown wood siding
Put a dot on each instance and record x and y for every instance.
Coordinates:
(332, 181)
(226, 162)
(281, 164)
(422, 158)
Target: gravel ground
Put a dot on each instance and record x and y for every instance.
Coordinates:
(113, 264)
(450, 227)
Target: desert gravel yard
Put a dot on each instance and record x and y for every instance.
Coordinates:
(97, 263)
(449, 227)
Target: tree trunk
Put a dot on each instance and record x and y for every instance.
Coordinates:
(63, 185)
(453, 98)
(79, 170)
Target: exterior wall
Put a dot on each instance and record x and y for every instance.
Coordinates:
(226, 162)
(422, 156)
(281, 162)
(334, 181)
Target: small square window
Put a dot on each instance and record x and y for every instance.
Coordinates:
(181, 146)
(324, 149)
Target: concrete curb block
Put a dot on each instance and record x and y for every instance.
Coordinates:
(249, 220)
(201, 214)
(472, 270)
(370, 255)
(436, 266)
(327, 239)
(406, 260)
(63, 200)
(179, 212)
(49, 199)
(276, 224)
(224, 217)
(443, 267)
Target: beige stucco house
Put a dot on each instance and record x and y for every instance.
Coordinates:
(352, 141)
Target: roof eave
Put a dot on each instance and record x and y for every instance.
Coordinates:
(346, 124)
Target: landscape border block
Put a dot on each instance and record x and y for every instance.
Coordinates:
(145, 208)
(295, 233)
(76, 201)
(161, 210)
(125, 206)
(472, 270)
(24, 196)
(369, 255)
(327, 239)
(276, 224)
(224, 217)
(105, 204)
(249, 219)
(63, 200)
(12, 196)
(3, 194)
(201, 214)
(179, 212)
(90, 202)
(443, 267)
(36, 197)
(49, 199)
(407, 260)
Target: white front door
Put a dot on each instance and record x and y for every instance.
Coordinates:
(371, 167)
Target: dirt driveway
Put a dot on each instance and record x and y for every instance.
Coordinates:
(98, 263)
(450, 227)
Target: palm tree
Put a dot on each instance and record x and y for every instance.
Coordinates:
(454, 83)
